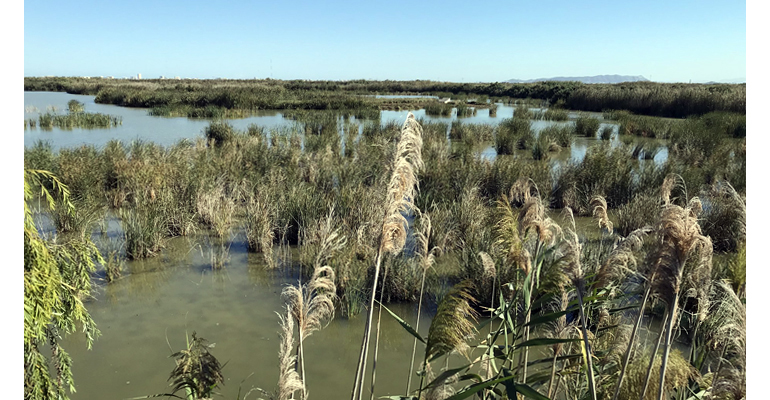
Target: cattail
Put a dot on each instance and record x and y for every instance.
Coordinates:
(599, 206)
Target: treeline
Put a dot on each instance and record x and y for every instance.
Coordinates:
(673, 100)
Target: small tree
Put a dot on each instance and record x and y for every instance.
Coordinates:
(56, 280)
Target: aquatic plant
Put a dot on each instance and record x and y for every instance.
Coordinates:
(586, 126)
(197, 371)
(75, 106)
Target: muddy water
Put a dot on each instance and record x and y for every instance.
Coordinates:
(160, 299)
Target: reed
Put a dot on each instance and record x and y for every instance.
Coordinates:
(606, 132)
(438, 109)
(586, 126)
(78, 120)
(400, 194)
(513, 133)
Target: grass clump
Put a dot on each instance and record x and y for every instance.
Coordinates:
(586, 126)
(606, 132)
(75, 106)
(219, 132)
(78, 120)
(561, 135)
(437, 109)
(513, 133)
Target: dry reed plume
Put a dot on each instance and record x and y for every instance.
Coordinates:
(288, 379)
(622, 259)
(399, 200)
(680, 241)
(599, 210)
(573, 270)
(312, 306)
(426, 259)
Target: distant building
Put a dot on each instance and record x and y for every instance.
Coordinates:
(177, 78)
(162, 77)
(138, 76)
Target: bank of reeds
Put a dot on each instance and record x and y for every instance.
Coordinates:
(673, 100)
(78, 120)
(438, 109)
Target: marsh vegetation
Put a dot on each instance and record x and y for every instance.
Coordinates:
(540, 277)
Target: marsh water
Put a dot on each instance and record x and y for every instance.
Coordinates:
(147, 314)
(139, 125)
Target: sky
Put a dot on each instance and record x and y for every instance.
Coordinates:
(666, 41)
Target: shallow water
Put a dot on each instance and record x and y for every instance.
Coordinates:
(162, 298)
(138, 125)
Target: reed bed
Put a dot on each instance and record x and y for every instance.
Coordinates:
(673, 100)
(492, 248)
(78, 120)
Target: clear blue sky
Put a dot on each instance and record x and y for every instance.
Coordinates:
(448, 41)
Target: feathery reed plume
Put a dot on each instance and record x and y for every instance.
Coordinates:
(451, 327)
(667, 187)
(508, 237)
(599, 206)
(441, 390)
(288, 379)
(532, 217)
(677, 375)
(400, 196)
(622, 260)
(681, 239)
(521, 190)
(489, 272)
(571, 250)
(725, 331)
(454, 323)
(558, 329)
(312, 306)
(426, 260)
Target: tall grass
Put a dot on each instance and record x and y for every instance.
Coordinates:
(438, 109)
(512, 134)
(586, 126)
(78, 120)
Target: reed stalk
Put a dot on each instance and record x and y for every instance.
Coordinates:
(400, 197)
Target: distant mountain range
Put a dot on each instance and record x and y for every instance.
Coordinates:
(587, 79)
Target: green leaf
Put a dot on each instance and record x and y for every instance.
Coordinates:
(545, 342)
(528, 391)
(548, 317)
(473, 389)
(403, 323)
